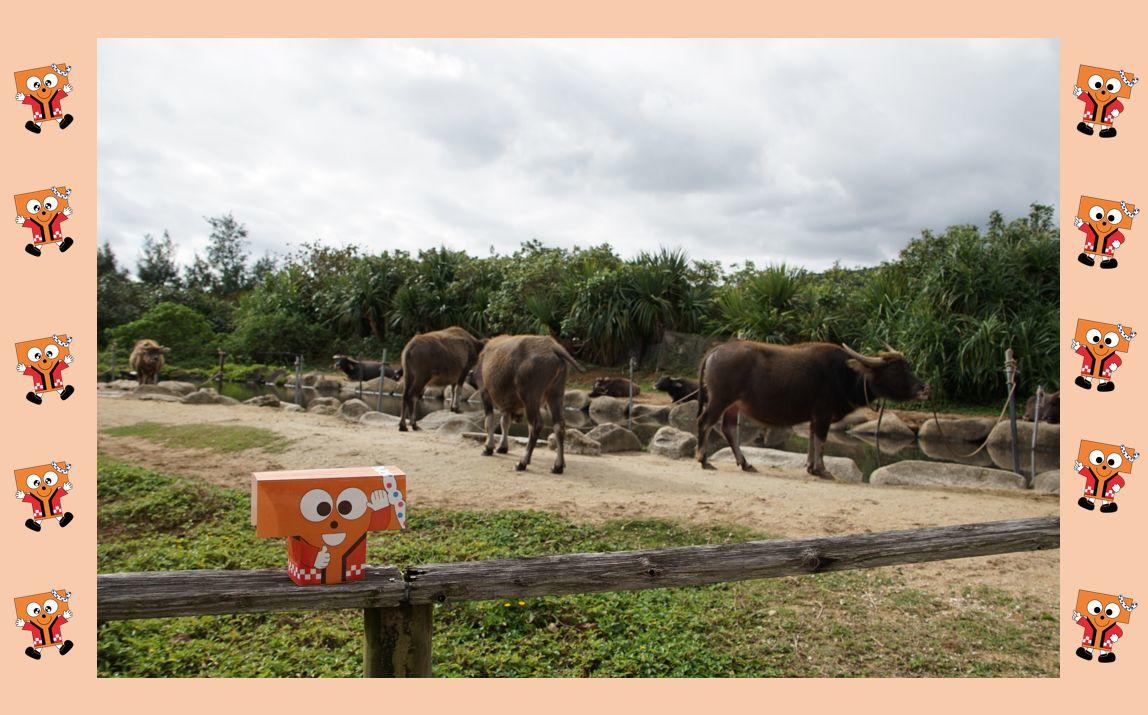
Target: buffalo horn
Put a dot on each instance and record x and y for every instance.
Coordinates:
(865, 360)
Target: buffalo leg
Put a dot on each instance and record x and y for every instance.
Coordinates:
(729, 429)
(707, 418)
(534, 419)
(454, 394)
(559, 418)
(504, 447)
(488, 424)
(815, 462)
(404, 408)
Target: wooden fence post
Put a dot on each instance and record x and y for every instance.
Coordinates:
(1010, 371)
(1030, 478)
(398, 641)
(382, 379)
(299, 380)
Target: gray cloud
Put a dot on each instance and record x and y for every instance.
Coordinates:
(808, 151)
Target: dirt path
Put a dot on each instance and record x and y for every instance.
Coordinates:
(450, 472)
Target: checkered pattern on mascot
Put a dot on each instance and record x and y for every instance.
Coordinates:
(43, 89)
(1100, 615)
(43, 615)
(1100, 90)
(44, 212)
(1097, 344)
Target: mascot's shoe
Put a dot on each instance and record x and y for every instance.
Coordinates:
(32, 126)
(32, 524)
(1082, 382)
(68, 519)
(32, 653)
(1106, 657)
(1108, 263)
(68, 390)
(1106, 387)
(32, 250)
(1085, 504)
(1107, 133)
(1084, 653)
(34, 398)
(67, 243)
(1084, 128)
(1108, 508)
(65, 121)
(66, 647)
(1086, 259)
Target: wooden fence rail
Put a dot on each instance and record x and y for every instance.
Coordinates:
(398, 607)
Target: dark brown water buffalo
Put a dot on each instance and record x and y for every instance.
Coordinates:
(1049, 408)
(147, 360)
(518, 374)
(781, 385)
(364, 369)
(680, 389)
(442, 357)
(614, 387)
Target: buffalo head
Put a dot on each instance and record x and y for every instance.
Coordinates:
(888, 374)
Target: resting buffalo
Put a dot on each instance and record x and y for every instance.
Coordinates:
(614, 387)
(1049, 408)
(681, 389)
(147, 360)
(442, 357)
(518, 374)
(364, 369)
(781, 385)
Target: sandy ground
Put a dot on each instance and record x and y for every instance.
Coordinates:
(450, 472)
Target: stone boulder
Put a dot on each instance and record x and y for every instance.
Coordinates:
(177, 387)
(576, 400)
(652, 413)
(291, 407)
(141, 390)
(158, 397)
(964, 429)
(263, 401)
(614, 438)
(891, 426)
(322, 410)
(464, 395)
(124, 385)
(1047, 436)
(226, 400)
(459, 422)
(684, 416)
(332, 402)
(378, 419)
(576, 443)
(353, 409)
(944, 474)
(389, 386)
(858, 416)
(1047, 482)
(204, 396)
(607, 409)
(673, 443)
(843, 469)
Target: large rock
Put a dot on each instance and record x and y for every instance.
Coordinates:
(353, 409)
(332, 402)
(291, 407)
(464, 394)
(684, 416)
(481, 437)
(177, 387)
(226, 400)
(673, 443)
(389, 386)
(614, 438)
(124, 385)
(843, 469)
(263, 401)
(378, 419)
(774, 437)
(943, 474)
(858, 416)
(652, 413)
(157, 397)
(1047, 482)
(964, 429)
(576, 443)
(576, 400)
(957, 451)
(141, 390)
(607, 409)
(1047, 436)
(322, 410)
(891, 426)
(454, 423)
(204, 396)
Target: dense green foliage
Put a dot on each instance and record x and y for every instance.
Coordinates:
(859, 623)
(952, 301)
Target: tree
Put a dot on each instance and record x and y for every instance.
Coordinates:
(156, 265)
(106, 260)
(178, 327)
(227, 254)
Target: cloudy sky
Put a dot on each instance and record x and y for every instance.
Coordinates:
(807, 151)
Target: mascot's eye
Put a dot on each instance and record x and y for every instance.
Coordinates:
(1112, 610)
(33, 206)
(51, 80)
(1113, 85)
(352, 503)
(315, 505)
(1095, 82)
(51, 606)
(1114, 217)
(50, 478)
(1096, 457)
(32, 83)
(1111, 339)
(50, 203)
(32, 609)
(1094, 607)
(1096, 213)
(51, 352)
(33, 481)
(34, 354)
(1093, 336)
(1115, 460)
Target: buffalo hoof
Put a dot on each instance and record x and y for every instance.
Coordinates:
(747, 467)
(821, 473)
(707, 465)
(1083, 652)
(503, 449)
(558, 469)
(402, 427)
(520, 467)
(415, 428)
(1106, 657)
(487, 452)
(1084, 128)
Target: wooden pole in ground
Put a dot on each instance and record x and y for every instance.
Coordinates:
(299, 380)
(1011, 371)
(630, 406)
(222, 359)
(359, 359)
(398, 641)
(1035, 425)
(382, 378)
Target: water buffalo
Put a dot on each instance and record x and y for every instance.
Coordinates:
(442, 357)
(1049, 408)
(147, 360)
(614, 387)
(781, 385)
(681, 389)
(518, 374)
(364, 369)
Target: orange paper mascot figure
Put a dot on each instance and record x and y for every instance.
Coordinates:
(43, 89)
(1098, 344)
(44, 487)
(43, 615)
(1103, 466)
(43, 212)
(1101, 221)
(325, 515)
(47, 358)
(1100, 615)
(1101, 91)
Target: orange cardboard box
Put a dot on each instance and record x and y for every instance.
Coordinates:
(1100, 615)
(1101, 221)
(43, 616)
(1105, 88)
(44, 487)
(325, 515)
(44, 360)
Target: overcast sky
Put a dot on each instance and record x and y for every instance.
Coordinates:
(807, 151)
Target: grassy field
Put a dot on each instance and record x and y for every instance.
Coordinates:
(218, 438)
(865, 623)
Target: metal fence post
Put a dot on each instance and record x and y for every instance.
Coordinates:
(630, 406)
(398, 641)
(1011, 372)
(1035, 426)
(359, 359)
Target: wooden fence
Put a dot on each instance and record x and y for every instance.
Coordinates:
(398, 608)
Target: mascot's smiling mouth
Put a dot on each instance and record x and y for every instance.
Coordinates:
(333, 539)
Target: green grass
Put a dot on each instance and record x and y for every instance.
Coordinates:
(864, 623)
(217, 438)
